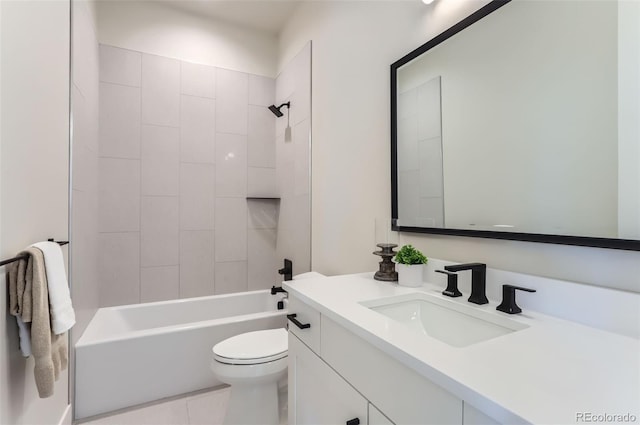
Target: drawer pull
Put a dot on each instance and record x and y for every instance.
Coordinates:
(296, 322)
(354, 421)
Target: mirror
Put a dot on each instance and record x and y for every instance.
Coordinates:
(520, 122)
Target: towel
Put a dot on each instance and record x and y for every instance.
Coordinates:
(18, 291)
(62, 315)
(50, 351)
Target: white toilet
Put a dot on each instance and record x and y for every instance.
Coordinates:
(252, 363)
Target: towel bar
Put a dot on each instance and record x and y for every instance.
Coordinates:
(24, 257)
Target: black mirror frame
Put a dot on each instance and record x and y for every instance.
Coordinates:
(625, 244)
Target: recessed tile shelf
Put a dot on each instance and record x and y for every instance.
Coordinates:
(262, 198)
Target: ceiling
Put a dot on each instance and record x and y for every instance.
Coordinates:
(263, 15)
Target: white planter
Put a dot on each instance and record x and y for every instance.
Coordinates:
(409, 274)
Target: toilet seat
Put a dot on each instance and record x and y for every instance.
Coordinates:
(252, 347)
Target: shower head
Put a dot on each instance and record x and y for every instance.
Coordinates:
(276, 111)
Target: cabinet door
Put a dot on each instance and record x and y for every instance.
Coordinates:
(376, 417)
(317, 394)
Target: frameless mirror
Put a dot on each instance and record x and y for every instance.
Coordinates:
(521, 122)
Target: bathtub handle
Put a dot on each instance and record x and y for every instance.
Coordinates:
(292, 317)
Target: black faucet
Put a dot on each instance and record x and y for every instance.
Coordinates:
(478, 280)
(277, 289)
(508, 304)
(452, 284)
(287, 270)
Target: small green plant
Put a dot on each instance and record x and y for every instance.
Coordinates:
(410, 255)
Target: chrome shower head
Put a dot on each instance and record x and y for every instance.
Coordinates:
(276, 111)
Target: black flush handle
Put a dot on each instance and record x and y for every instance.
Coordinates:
(299, 324)
(354, 421)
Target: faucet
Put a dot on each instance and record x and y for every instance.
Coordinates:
(287, 270)
(478, 280)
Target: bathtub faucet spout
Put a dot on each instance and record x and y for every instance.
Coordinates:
(276, 289)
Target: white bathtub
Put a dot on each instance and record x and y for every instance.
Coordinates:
(134, 354)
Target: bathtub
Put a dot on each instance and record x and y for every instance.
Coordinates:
(134, 354)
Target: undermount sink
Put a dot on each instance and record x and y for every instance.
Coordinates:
(452, 323)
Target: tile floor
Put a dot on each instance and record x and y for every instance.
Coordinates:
(205, 408)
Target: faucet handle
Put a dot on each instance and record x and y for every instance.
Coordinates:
(452, 284)
(508, 304)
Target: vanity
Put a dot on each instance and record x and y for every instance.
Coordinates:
(377, 353)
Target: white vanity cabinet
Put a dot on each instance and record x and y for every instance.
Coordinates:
(317, 394)
(351, 379)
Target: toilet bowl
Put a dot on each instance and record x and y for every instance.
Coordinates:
(252, 363)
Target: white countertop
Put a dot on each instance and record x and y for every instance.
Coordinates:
(547, 373)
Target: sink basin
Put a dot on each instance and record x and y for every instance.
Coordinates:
(450, 322)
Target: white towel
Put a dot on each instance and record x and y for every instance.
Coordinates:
(62, 315)
(24, 332)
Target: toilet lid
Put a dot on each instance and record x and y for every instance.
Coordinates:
(252, 347)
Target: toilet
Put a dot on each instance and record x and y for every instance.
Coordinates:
(252, 363)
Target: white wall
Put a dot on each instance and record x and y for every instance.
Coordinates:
(150, 27)
(33, 176)
(351, 147)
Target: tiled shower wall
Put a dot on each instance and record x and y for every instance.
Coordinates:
(181, 147)
(293, 144)
(83, 260)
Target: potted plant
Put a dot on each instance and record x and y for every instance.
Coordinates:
(410, 263)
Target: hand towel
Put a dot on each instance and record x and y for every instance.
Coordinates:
(18, 292)
(50, 351)
(62, 315)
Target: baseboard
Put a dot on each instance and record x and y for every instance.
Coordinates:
(66, 419)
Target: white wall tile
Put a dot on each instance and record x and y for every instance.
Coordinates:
(119, 121)
(261, 137)
(263, 214)
(232, 96)
(263, 262)
(301, 97)
(197, 129)
(86, 117)
(198, 80)
(119, 268)
(159, 283)
(231, 229)
(262, 182)
(83, 274)
(160, 90)
(196, 263)
(262, 90)
(231, 277)
(119, 195)
(231, 165)
(301, 142)
(197, 196)
(84, 161)
(85, 52)
(120, 66)
(159, 231)
(160, 152)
